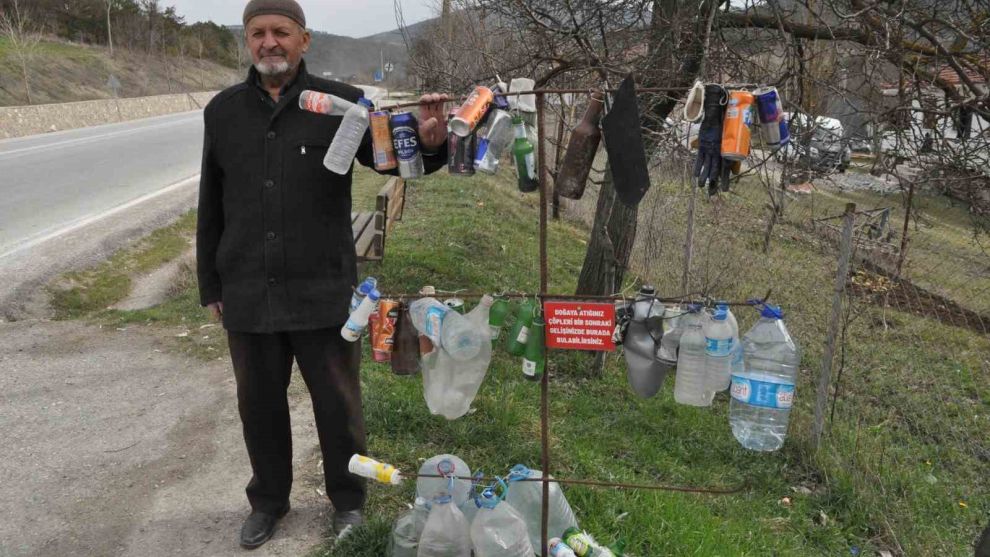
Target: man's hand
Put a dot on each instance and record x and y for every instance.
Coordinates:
(432, 121)
(216, 310)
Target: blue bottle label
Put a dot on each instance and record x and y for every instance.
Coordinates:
(434, 320)
(718, 347)
(763, 393)
(480, 150)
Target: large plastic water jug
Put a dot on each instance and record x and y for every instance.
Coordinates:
(498, 530)
(527, 498)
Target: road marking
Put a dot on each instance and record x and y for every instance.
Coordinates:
(93, 138)
(45, 236)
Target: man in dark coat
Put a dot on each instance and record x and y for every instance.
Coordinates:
(276, 260)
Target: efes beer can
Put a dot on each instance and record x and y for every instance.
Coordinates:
(771, 111)
(383, 331)
(405, 139)
(381, 141)
(472, 111)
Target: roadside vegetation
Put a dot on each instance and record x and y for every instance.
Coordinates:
(903, 468)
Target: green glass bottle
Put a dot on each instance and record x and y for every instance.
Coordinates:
(516, 341)
(496, 318)
(535, 358)
(525, 157)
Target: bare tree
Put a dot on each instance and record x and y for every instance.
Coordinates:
(110, 4)
(15, 26)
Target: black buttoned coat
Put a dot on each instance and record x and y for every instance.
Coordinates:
(274, 240)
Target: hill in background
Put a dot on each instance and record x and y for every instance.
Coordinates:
(66, 72)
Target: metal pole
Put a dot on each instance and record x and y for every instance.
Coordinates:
(545, 380)
(825, 377)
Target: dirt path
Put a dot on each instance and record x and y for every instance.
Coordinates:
(115, 446)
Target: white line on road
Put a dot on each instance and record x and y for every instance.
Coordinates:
(47, 235)
(93, 138)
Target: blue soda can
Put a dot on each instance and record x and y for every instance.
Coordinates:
(405, 139)
(770, 109)
(785, 132)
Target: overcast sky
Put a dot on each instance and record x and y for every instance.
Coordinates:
(352, 18)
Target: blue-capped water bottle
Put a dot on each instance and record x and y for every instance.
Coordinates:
(358, 321)
(762, 395)
(368, 285)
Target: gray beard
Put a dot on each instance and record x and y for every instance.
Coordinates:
(273, 70)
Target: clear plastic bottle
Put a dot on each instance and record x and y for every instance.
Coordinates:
(736, 364)
(691, 382)
(358, 321)
(348, 138)
(527, 498)
(367, 285)
(560, 549)
(459, 380)
(493, 141)
(644, 372)
(323, 103)
(498, 530)
(446, 533)
(763, 394)
(446, 328)
(445, 465)
(408, 529)
(718, 351)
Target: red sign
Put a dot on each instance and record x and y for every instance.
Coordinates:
(579, 326)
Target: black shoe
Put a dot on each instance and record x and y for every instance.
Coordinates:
(259, 527)
(344, 522)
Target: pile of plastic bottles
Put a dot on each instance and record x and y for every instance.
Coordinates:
(704, 346)
(453, 515)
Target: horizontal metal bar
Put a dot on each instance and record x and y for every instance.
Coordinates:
(596, 483)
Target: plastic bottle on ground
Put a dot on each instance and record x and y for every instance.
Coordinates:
(691, 382)
(560, 549)
(762, 395)
(347, 140)
(527, 498)
(446, 328)
(718, 351)
(498, 530)
(408, 529)
(449, 465)
(358, 321)
(446, 533)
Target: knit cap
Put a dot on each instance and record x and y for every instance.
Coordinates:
(289, 8)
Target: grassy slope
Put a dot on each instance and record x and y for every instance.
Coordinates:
(65, 72)
(904, 467)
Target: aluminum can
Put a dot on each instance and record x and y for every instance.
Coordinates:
(770, 110)
(735, 127)
(455, 304)
(383, 331)
(381, 141)
(405, 139)
(472, 111)
(785, 131)
(460, 151)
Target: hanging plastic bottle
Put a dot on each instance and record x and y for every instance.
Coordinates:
(323, 103)
(496, 318)
(405, 348)
(497, 529)
(447, 466)
(762, 396)
(691, 382)
(347, 140)
(493, 140)
(459, 380)
(534, 357)
(527, 498)
(736, 364)
(672, 331)
(367, 285)
(516, 341)
(645, 329)
(446, 328)
(718, 351)
(524, 154)
(446, 533)
(358, 321)
(408, 529)
(370, 468)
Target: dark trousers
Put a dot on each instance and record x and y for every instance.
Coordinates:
(329, 366)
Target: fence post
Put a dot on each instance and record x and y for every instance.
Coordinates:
(825, 376)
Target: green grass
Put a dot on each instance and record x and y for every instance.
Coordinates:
(903, 467)
(81, 293)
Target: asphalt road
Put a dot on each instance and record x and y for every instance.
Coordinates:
(53, 181)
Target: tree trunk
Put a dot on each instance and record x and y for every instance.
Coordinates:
(109, 32)
(27, 81)
(611, 243)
